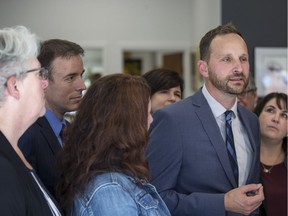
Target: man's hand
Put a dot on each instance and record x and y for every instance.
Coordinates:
(244, 199)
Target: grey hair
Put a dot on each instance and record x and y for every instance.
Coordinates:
(18, 46)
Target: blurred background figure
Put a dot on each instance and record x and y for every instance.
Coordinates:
(22, 84)
(43, 140)
(249, 97)
(103, 166)
(166, 87)
(272, 112)
(275, 78)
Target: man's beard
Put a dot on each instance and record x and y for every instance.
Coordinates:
(225, 86)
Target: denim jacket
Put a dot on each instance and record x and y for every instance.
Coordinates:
(116, 194)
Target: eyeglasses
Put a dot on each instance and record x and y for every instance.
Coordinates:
(43, 72)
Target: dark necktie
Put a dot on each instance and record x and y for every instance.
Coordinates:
(230, 144)
(62, 132)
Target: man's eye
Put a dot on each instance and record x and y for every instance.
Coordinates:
(69, 78)
(244, 59)
(227, 59)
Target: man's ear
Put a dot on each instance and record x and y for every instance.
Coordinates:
(12, 87)
(203, 68)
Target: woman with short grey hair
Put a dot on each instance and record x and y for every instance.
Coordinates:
(22, 84)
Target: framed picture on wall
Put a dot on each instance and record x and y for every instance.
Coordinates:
(93, 64)
(271, 70)
(133, 66)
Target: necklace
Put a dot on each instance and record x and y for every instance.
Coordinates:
(268, 170)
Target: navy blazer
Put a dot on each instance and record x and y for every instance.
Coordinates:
(188, 159)
(40, 147)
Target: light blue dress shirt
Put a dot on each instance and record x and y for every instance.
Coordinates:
(55, 123)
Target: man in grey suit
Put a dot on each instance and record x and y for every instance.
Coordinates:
(189, 162)
(42, 141)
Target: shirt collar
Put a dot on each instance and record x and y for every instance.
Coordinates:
(234, 109)
(218, 109)
(54, 122)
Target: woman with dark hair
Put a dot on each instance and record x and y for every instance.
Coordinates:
(166, 87)
(103, 165)
(272, 112)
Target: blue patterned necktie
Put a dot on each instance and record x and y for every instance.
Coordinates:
(230, 144)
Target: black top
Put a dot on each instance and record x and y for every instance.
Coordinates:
(19, 192)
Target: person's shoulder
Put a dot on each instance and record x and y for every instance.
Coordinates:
(177, 110)
(33, 129)
(246, 113)
(32, 133)
(189, 102)
(112, 178)
(250, 118)
(120, 181)
(104, 191)
(36, 126)
(108, 180)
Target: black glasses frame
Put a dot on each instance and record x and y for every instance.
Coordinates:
(43, 72)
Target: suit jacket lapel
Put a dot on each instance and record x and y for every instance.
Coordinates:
(213, 132)
(248, 127)
(49, 135)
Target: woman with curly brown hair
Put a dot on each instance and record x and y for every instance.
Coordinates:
(103, 165)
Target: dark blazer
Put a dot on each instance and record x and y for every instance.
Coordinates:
(40, 146)
(19, 193)
(188, 158)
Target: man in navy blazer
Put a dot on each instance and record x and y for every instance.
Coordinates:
(42, 141)
(187, 154)
(40, 147)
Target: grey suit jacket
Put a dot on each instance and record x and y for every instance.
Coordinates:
(40, 147)
(188, 158)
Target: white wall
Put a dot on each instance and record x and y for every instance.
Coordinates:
(115, 25)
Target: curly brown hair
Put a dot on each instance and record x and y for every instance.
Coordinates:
(109, 133)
